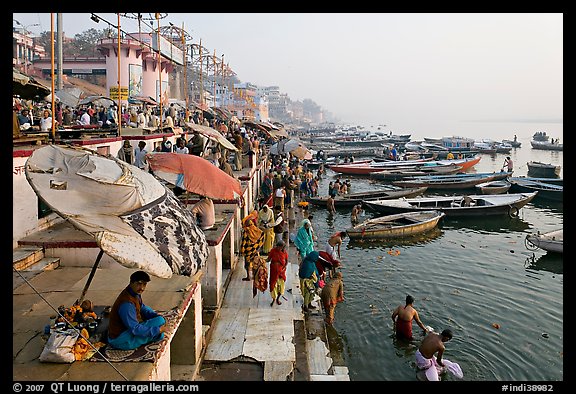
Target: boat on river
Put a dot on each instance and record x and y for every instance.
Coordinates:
(467, 205)
(553, 181)
(398, 174)
(451, 182)
(349, 200)
(545, 190)
(551, 241)
(367, 169)
(543, 170)
(493, 187)
(513, 143)
(396, 226)
(547, 145)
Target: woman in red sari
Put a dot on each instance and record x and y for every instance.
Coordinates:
(278, 258)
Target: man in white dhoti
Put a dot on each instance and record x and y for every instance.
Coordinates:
(431, 344)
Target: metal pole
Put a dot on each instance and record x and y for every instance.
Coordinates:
(91, 276)
(119, 92)
(201, 83)
(159, 70)
(214, 79)
(59, 29)
(53, 130)
(222, 82)
(25, 53)
(187, 113)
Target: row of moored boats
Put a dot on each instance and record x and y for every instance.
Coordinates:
(406, 212)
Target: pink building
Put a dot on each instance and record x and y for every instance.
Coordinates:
(139, 73)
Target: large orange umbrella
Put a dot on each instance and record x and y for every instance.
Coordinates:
(195, 174)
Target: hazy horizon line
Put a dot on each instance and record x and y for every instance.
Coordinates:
(558, 120)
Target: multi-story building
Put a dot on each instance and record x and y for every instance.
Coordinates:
(24, 49)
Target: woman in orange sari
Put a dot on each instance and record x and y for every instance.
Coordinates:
(332, 294)
(252, 240)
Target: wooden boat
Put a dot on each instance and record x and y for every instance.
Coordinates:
(362, 169)
(398, 174)
(553, 181)
(314, 164)
(493, 187)
(545, 190)
(396, 226)
(471, 205)
(514, 144)
(352, 199)
(546, 145)
(544, 170)
(464, 164)
(458, 144)
(451, 182)
(497, 175)
(551, 241)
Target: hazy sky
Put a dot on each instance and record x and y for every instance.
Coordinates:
(384, 68)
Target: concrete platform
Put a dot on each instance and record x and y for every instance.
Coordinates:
(35, 301)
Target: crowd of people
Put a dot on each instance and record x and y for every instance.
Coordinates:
(265, 236)
(265, 233)
(318, 268)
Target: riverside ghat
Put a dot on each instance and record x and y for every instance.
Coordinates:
(56, 260)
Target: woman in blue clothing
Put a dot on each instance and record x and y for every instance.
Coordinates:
(308, 274)
(304, 239)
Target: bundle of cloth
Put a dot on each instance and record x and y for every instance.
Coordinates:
(433, 372)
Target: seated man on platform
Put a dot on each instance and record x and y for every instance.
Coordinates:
(132, 323)
(203, 210)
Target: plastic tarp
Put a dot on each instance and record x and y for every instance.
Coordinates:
(292, 146)
(98, 100)
(212, 134)
(27, 87)
(133, 217)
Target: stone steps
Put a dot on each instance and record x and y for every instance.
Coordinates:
(28, 261)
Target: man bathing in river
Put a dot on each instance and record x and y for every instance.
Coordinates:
(402, 318)
(431, 344)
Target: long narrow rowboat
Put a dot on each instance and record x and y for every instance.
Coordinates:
(396, 226)
(451, 182)
(352, 199)
(547, 191)
(471, 205)
(363, 169)
(398, 174)
(552, 241)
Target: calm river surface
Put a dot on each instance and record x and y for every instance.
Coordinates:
(471, 275)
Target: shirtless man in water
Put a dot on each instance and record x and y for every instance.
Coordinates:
(402, 318)
(333, 244)
(431, 344)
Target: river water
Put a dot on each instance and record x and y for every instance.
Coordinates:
(503, 302)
